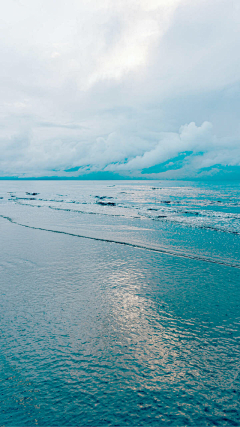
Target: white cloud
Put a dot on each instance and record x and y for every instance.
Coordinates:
(29, 155)
(189, 138)
(108, 85)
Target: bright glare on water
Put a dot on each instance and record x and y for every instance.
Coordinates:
(119, 303)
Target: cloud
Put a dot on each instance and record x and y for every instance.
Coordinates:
(26, 155)
(189, 138)
(118, 86)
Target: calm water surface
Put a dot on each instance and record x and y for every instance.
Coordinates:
(119, 304)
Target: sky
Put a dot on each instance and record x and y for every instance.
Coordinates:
(129, 88)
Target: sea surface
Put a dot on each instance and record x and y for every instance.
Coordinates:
(119, 303)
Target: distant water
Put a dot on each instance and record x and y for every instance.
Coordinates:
(120, 303)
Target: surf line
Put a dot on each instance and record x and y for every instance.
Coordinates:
(133, 245)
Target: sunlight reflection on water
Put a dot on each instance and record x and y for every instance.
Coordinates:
(95, 333)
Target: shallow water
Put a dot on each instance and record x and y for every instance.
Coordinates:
(207, 206)
(135, 324)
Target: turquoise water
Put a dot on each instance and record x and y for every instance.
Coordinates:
(113, 313)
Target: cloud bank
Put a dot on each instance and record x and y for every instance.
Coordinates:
(137, 88)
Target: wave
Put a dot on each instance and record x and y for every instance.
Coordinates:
(165, 216)
(24, 198)
(69, 210)
(133, 245)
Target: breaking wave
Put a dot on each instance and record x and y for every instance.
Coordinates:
(133, 245)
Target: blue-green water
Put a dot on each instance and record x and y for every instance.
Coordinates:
(113, 313)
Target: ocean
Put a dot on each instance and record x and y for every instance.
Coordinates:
(120, 303)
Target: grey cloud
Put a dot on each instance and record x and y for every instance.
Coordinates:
(190, 137)
(118, 86)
